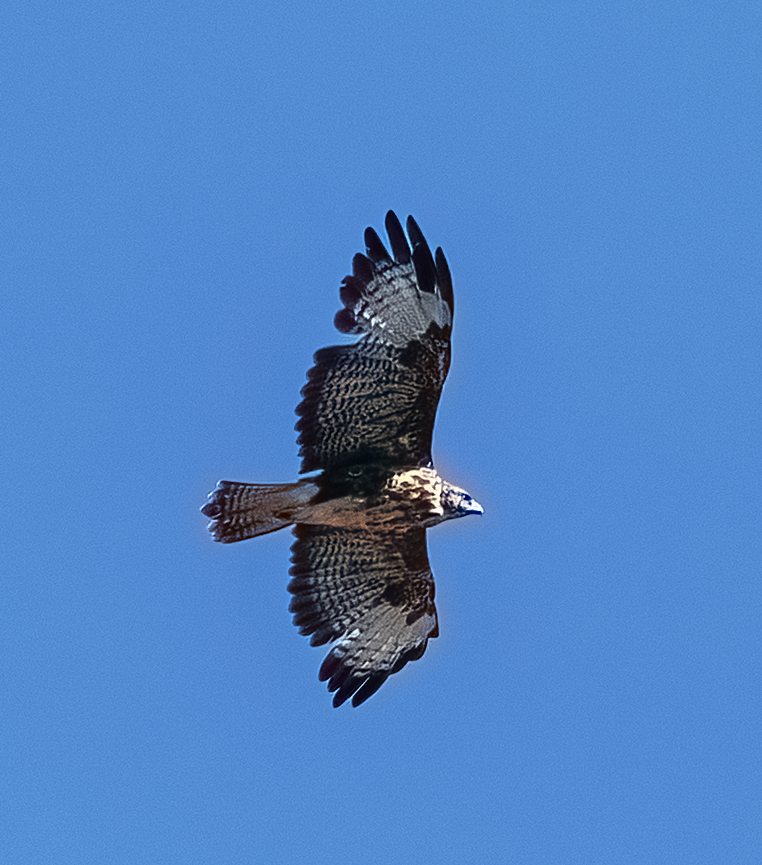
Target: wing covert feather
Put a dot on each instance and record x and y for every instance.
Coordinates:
(370, 402)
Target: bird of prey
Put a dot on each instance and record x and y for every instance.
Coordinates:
(360, 577)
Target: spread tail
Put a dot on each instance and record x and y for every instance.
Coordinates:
(239, 511)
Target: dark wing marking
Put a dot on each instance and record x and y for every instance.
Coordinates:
(377, 399)
(373, 594)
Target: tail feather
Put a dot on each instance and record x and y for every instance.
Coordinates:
(239, 511)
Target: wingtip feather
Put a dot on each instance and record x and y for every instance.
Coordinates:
(444, 279)
(362, 268)
(397, 239)
(375, 248)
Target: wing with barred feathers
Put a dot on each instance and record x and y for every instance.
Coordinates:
(372, 594)
(376, 400)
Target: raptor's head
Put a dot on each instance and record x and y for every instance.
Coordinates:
(458, 503)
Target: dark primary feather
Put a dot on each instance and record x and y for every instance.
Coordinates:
(377, 399)
(371, 592)
(375, 247)
(397, 238)
(444, 279)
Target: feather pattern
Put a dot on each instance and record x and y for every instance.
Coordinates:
(360, 574)
(371, 593)
(377, 399)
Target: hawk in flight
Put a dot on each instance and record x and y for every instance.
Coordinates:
(360, 577)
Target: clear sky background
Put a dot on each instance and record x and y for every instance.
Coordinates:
(183, 186)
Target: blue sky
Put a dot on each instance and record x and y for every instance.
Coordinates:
(183, 188)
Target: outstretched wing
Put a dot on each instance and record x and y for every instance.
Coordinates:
(370, 593)
(377, 399)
